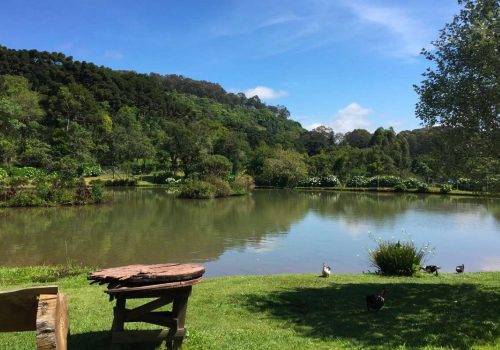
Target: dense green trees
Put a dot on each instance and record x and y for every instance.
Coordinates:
(461, 92)
(65, 115)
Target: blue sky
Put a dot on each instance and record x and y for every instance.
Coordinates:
(344, 63)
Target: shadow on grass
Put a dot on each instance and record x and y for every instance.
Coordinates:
(102, 341)
(414, 315)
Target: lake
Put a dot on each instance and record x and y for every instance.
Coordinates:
(269, 231)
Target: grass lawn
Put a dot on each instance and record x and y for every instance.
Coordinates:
(448, 311)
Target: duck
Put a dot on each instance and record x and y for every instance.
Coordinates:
(431, 269)
(460, 268)
(375, 301)
(326, 271)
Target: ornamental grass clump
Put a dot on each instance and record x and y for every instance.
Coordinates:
(398, 258)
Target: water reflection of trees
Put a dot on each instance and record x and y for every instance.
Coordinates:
(150, 225)
(143, 226)
(355, 206)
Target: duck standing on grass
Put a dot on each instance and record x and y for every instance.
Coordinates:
(375, 301)
(460, 268)
(431, 269)
(326, 271)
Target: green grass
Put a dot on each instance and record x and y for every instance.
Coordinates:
(449, 311)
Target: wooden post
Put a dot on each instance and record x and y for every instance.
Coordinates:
(52, 322)
(179, 309)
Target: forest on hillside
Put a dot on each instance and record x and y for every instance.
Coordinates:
(57, 113)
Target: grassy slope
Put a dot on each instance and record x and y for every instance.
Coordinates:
(299, 312)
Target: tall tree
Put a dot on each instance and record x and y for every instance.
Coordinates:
(462, 89)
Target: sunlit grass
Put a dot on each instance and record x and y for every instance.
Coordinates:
(449, 311)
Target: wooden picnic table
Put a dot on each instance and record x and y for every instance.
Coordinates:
(167, 283)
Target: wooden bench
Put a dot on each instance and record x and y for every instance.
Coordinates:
(41, 309)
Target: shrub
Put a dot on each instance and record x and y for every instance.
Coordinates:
(25, 199)
(357, 181)
(97, 192)
(383, 181)
(222, 188)
(3, 173)
(244, 181)
(216, 166)
(412, 183)
(397, 258)
(324, 181)
(82, 192)
(91, 170)
(446, 188)
(160, 177)
(423, 188)
(400, 187)
(197, 190)
(26, 172)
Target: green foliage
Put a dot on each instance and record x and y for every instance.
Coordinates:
(91, 170)
(423, 188)
(397, 258)
(285, 168)
(325, 181)
(216, 166)
(357, 181)
(197, 190)
(445, 188)
(222, 188)
(400, 187)
(243, 183)
(412, 183)
(97, 192)
(26, 172)
(383, 181)
(3, 173)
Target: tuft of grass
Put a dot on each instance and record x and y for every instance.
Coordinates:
(397, 258)
(449, 311)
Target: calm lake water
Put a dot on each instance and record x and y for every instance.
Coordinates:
(266, 232)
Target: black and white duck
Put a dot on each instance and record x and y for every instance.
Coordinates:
(375, 301)
(326, 271)
(430, 269)
(460, 268)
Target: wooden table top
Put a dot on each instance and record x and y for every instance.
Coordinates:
(145, 274)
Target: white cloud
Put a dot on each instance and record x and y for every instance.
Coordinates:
(113, 54)
(313, 126)
(265, 93)
(351, 117)
(410, 34)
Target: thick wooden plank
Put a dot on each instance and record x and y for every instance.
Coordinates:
(154, 287)
(52, 322)
(19, 307)
(145, 308)
(149, 273)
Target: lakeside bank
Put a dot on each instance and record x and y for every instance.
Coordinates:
(301, 311)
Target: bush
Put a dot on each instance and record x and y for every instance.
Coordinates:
(197, 190)
(26, 172)
(423, 188)
(400, 187)
(3, 173)
(446, 188)
(160, 177)
(397, 258)
(324, 181)
(412, 183)
(357, 181)
(91, 170)
(384, 181)
(222, 188)
(216, 166)
(244, 181)
(25, 199)
(97, 192)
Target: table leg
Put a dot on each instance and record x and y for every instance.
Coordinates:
(119, 315)
(179, 309)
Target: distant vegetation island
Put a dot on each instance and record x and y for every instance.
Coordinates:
(70, 118)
